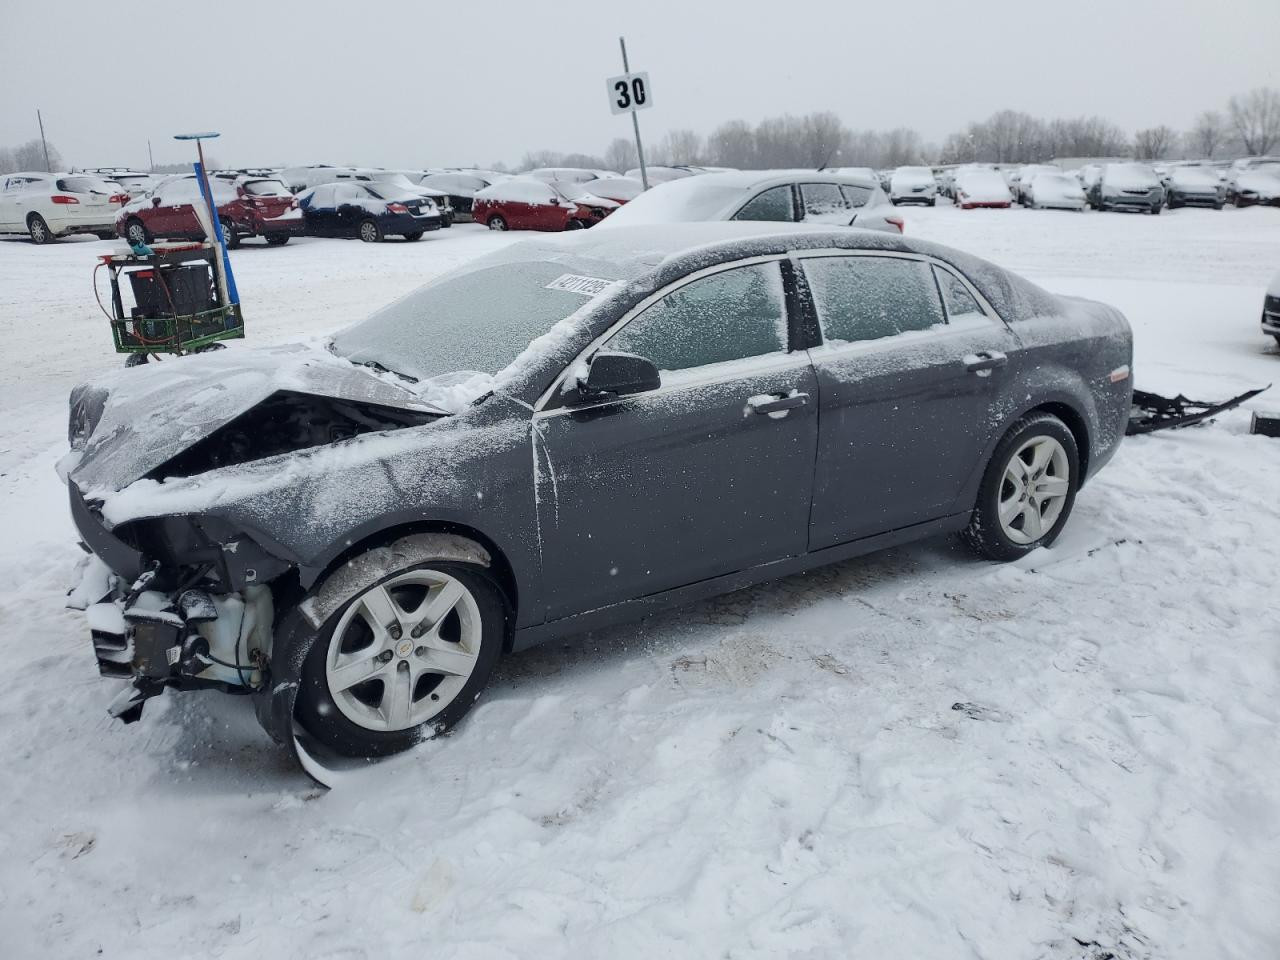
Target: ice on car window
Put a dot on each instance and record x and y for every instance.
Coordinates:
(478, 320)
(822, 198)
(867, 298)
(265, 188)
(773, 204)
(731, 315)
(854, 195)
(83, 185)
(959, 301)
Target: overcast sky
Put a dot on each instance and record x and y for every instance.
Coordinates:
(414, 83)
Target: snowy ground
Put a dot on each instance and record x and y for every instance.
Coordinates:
(911, 755)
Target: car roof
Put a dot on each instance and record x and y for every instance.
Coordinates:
(748, 179)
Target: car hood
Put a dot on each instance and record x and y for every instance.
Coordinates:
(127, 424)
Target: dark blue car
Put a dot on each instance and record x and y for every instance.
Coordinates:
(369, 211)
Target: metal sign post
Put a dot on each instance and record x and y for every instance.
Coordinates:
(226, 279)
(628, 94)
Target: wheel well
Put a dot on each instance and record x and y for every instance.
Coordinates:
(31, 216)
(1079, 429)
(499, 566)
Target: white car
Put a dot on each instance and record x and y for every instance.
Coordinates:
(1021, 178)
(913, 185)
(1055, 190)
(49, 205)
(785, 196)
(1271, 309)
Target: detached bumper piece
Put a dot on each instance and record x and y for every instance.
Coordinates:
(1153, 412)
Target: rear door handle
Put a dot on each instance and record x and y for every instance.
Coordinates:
(986, 361)
(777, 403)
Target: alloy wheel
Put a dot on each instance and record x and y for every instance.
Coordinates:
(39, 230)
(403, 650)
(369, 231)
(1034, 489)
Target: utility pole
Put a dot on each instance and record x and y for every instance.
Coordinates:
(635, 121)
(151, 157)
(48, 168)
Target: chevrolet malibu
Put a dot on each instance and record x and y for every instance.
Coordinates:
(571, 433)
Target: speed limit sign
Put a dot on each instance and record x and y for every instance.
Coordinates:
(629, 92)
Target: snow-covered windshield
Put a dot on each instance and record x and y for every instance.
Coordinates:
(397, 179)
(266, 188)
(478, 320)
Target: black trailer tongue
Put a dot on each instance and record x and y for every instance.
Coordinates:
(1153, 412)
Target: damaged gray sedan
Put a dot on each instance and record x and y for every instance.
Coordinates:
(569, 434)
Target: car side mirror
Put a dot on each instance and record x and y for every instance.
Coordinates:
(615, 375)
(155, 201)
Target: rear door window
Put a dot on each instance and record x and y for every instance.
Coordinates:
(347, 193)
(731, 315)
(774, 204)
(855, 196)
(822, 199)
(870, 298)
(960, 304)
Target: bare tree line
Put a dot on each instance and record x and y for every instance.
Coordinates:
(1249, 126)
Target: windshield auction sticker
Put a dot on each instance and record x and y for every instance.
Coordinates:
(587, 286)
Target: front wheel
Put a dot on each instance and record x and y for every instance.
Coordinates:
(278, 241)
(1155, 210)
(229, 234)
(136, 232)
(414, 235)
(496, 222)
(1028, 490)
(402, 659)
(39, 230)
(369, 231)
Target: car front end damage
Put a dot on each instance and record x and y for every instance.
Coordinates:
(181, 598)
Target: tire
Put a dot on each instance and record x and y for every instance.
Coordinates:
(575, 225)
(368, 719)
(105, 236)
(413, 236)
(229, 234)
(278, 241)
(1027, 443)
(933, 201)
(1218, 206)
(1155, 211)
(136, 232)
(135, 360)
(39, 230)
(369, 231)
(497, 222)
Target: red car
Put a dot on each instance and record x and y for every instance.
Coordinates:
(525, 203)
(247, 207)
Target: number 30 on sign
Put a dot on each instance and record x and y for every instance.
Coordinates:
(629, 92)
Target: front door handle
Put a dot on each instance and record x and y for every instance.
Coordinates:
(986, 361)
(777, 403)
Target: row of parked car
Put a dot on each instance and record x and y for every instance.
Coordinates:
(1102, 186)
(374, 203)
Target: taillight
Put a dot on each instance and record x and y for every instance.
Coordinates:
(120, 198)
(397, 208)
(63, 198)
(897, 222)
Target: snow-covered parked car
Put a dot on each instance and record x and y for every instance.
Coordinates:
(1255, 181)
(981, 187)
(247, 206)
(1127, 186)
(573, 432)
(1020, 180)
(1271, 309)
(531, 203)
(460, 187)
(369, 211)
(913, 185)
(1188, 186)
(1052, 190)
(46, 206)
(782, 196)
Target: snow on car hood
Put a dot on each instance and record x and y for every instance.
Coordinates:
(1263, 184)
(982, 186)
(141, 417)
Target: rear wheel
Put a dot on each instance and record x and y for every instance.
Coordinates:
(1028, 490)
(497, 222)
(574, 225)
(136, 232)
(414, 235)
(402, 659)
(39, 230)
(278, 241)
(369, 231)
